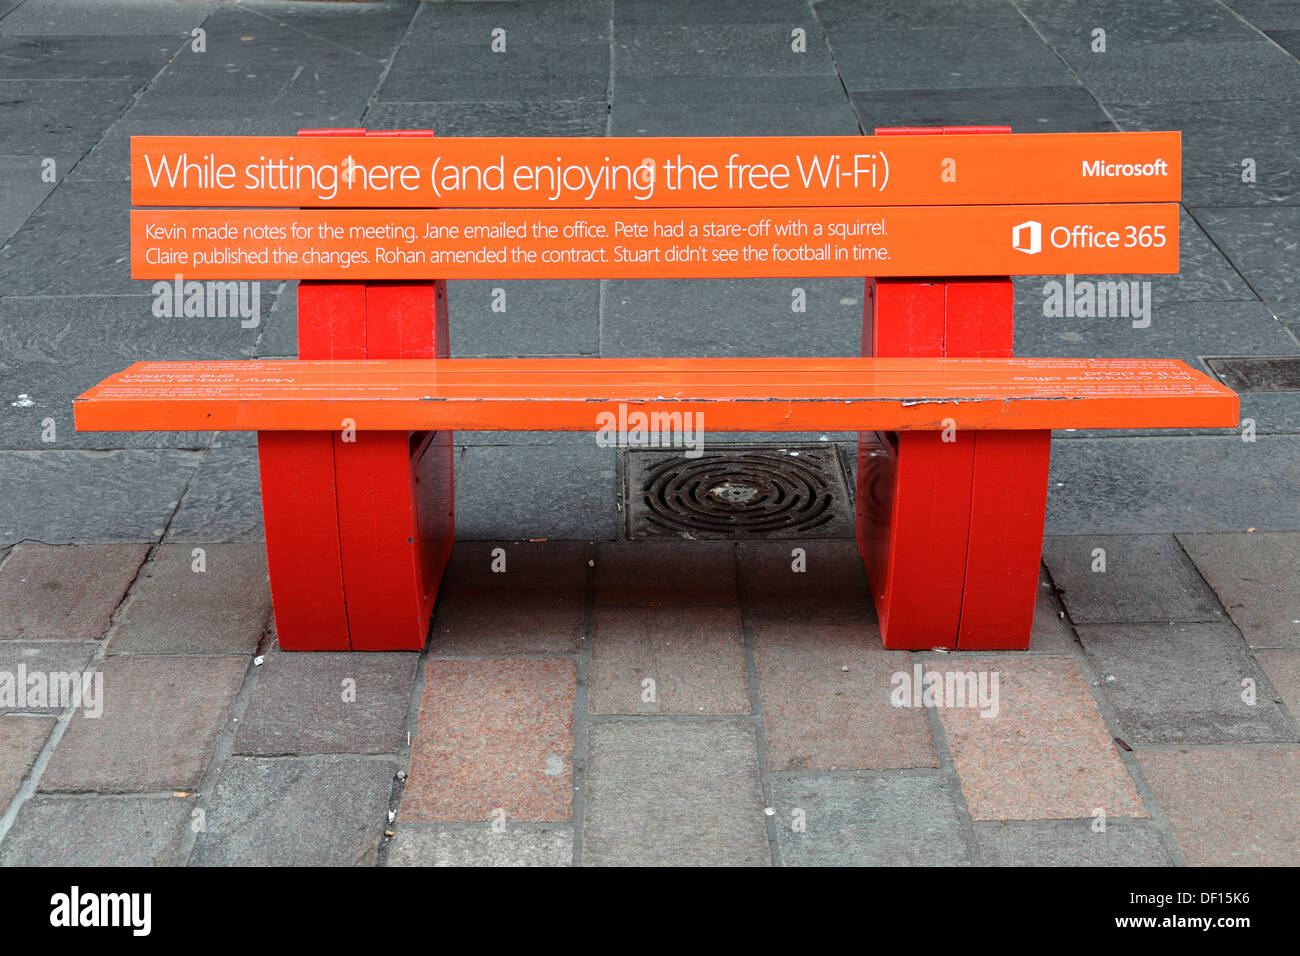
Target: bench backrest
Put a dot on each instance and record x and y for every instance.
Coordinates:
(415, 207)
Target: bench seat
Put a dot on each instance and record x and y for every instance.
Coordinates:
(776, 394)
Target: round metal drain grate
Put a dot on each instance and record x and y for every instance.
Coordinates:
(741, 494)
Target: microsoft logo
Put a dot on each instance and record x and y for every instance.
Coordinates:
(1027, 237)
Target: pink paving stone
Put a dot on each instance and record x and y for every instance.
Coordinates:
(819, 716)
(694, 655)
(65, 592)
(1230, 807)
(1046, 755)
(21, 739)
(493, 734)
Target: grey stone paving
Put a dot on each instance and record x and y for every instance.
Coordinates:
(1071, 843)
(296, 811)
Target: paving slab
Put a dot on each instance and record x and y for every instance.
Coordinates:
(296, 811)
(893, 59)
(825, 690)
(693, 658)
(91, 830)
(20, 660)
(1047, 755)
(1260, 243)
(1162, 485)
(225, 501)
(482, 846)
(523, 318)
(1269, 14)
(1140, 577)
(1249, 573)
(160, 722)
(372, 30)
(56, 347)
(49, 499)
(1026, 109)
(58, 251)
(536, 491)
(560, 18)
(851, 17)
(831, 587)
(82, 57)
(732, 106)
(693, 13)
(96, 19)
(1163, 72)
(734, 49)
(514, 117)
(1283, 670)
(1068, 24)
(1071, 843)
(59, 117)
(21, 739)
(746, 318)
(869, 820)
(325, 702)
(1217, 137)
(460, 63)
(495, 737)
(1288, 40)
(178, 609)
(673, 792)
(1183, 683)
(692, 573)
(67, 593)
(533, 606)
(23, 187)
(1230, 807)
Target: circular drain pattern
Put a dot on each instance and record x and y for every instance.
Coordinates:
(752, 493)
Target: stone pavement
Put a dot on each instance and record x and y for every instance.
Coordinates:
(607, 701)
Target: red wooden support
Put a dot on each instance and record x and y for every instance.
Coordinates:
(299, 507)
(1008, 503)
(950, 531)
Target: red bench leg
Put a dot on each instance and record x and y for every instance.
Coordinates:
(359, 532)
(300, 512)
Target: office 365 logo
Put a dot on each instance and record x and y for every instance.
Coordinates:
(1027, 237)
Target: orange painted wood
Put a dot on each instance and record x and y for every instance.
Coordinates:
(705, 171)
(979, 318)
(363, 244)
(915, 501)
(1005, 542)
(331, 320)
(379, 540)
(904, 318)
(847, 394)
(299, 499)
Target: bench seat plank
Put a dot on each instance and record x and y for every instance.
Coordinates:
(778, 394)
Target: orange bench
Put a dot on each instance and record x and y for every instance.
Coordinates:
(354, 438)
